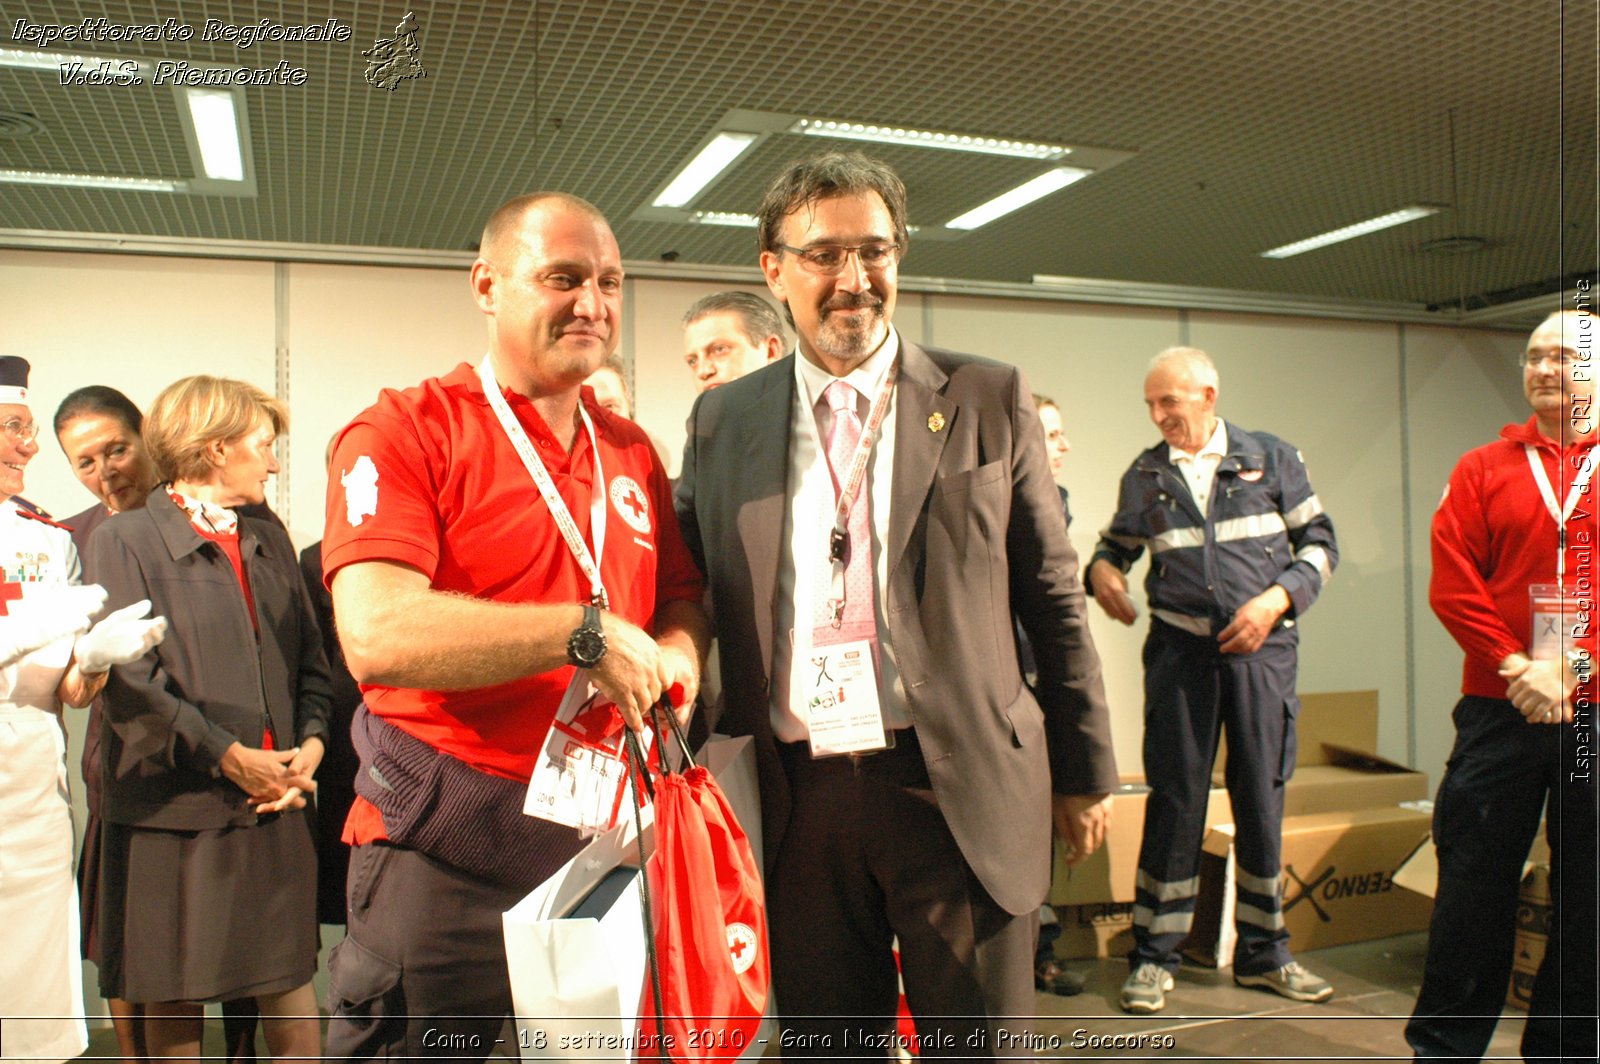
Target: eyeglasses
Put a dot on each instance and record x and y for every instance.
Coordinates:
(829, 260)
(1535, 360)
(19, 431)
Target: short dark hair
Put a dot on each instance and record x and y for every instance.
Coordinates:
(836, 173)
(509, 214)
(756, 316)
(97, 399)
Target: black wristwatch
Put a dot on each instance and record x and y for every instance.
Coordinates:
(587, 644)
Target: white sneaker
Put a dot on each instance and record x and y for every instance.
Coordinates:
(1290, 981)
(1146, 988)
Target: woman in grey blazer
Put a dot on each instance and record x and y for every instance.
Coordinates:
(208, 880)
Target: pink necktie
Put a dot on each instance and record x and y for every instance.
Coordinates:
(858, 621)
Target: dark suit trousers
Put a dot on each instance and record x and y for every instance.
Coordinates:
(867, 857)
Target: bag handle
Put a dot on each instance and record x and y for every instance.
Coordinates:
(662, 707)
(637, 759)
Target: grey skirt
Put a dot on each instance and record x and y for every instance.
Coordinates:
(207, 915)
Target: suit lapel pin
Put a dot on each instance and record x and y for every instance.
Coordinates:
(935, 421)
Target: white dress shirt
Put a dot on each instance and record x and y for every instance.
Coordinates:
(807, 524)
(1200, 469)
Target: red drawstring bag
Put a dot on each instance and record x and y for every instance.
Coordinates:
(710, 926)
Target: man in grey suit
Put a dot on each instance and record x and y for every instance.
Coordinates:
(869, 516)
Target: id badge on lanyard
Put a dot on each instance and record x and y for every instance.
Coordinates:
(841, 700)
(840, 694)
(578, 777)
(1555, 608)
(1556, 615)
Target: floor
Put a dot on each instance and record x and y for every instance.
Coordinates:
(1208, 1018)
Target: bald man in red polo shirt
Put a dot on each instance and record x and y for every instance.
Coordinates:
(488, 532)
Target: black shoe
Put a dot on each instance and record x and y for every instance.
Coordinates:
(1050, 978)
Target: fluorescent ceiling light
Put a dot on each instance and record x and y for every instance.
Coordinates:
(111, 181)
(734, 218)
(30, 59)
(703, 168)
(1019, 197)
(1350, 232)
(921, 138)
(216, 130)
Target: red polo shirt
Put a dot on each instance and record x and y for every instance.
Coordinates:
(427, 477)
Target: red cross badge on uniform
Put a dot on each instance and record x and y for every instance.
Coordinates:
(631, 503)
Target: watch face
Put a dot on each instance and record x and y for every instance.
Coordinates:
(586, 646)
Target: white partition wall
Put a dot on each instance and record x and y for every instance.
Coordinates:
(1461, 387)
(353, 330)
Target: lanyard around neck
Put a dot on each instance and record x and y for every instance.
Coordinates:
(1580, 484)
(589, 563)
(839, 535)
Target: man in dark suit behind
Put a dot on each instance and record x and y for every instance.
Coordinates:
(879, 632)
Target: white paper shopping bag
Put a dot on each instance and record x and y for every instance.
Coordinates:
(576, 952)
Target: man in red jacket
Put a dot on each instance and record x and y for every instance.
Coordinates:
(1517, 525)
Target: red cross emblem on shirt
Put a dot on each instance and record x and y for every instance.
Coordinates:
(634, 501)
(9, 592)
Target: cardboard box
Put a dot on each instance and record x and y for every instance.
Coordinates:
(1420, 871)
(1351, 779)
(1101, 929)
(1338, 882)
(1335, 770)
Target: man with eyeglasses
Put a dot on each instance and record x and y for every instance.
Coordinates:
(870, 514)
(1514, 542)
(19, 433)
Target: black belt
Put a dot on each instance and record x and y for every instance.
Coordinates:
(901, 763)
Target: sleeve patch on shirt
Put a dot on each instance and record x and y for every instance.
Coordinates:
(360, 491)
(631, 503)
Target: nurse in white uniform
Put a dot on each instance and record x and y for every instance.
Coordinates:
(49, 656)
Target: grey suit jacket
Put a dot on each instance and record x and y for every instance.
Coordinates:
(975, 534)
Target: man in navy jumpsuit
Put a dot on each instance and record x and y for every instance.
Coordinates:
(1240, 548)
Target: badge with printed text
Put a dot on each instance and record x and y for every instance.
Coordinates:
(841, 700)
(580, 778)
(1560, 619)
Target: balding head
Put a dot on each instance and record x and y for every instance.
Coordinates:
(548, 279)
(1180, 391)
(501, 232)
(1191, 364)
(1558, 371)
(1573, 330)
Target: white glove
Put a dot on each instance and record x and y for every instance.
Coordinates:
(40, 619)
(122, 637)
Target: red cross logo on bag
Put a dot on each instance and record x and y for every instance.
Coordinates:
(741, 947)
